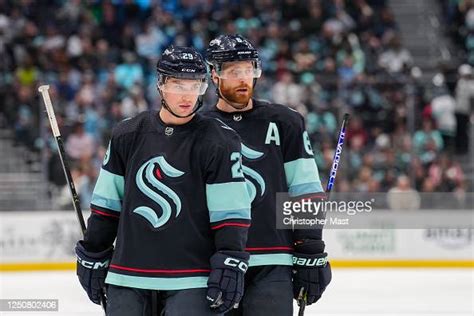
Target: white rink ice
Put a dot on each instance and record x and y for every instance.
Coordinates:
(352, 292)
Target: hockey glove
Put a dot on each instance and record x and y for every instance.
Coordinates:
(226, 280)
(311, 270)
(91, 270)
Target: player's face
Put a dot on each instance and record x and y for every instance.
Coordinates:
(181, 95)
(236, 81)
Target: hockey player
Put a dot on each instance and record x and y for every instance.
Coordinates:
(277, 157)
(172, 193)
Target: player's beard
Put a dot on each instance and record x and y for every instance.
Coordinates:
(238, 100)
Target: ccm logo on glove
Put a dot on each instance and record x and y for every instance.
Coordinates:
(93, 265)
(231, 262)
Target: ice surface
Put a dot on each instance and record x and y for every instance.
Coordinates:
(353, 292)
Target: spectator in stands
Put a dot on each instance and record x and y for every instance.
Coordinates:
(27, 73)
(149, 42)
(286, 91)
(442, 110)
(85, 183)
(464, 107)
(25, 120)
(427, 142)
(356, 131)
(134, 103)
(129, 72)
(363, 180)
(79, 145)
(402, 196)
(396, 58)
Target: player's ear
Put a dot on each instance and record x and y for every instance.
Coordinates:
(214, 76)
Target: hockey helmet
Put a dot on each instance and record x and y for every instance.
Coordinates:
(182, 63)
(231, 48)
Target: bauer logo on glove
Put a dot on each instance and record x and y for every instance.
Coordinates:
(311, 262)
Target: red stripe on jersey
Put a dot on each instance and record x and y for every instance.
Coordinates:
(230, 224)
(268, 248)
(104, 214)
(158, 270)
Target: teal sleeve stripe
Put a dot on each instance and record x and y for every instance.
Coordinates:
(306, 188)
(301, 171)
(216, 216)
(227, 196)
(281, 259)
(109, 185)
(152, 283)
(109, 204)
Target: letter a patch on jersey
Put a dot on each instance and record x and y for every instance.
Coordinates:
(272, 134)
(156, 190)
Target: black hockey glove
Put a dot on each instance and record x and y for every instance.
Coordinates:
(225, 286)
(91, 270)
(311, 270)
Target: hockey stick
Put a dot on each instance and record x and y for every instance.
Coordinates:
(330, 184)
(337, 155)
(67, 173)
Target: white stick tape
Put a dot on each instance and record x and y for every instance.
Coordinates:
(49, 108)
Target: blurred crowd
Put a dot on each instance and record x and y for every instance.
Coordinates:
(321, 57)
(459, 17)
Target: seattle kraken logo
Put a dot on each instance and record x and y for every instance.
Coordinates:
(251, 176)
(151, 171)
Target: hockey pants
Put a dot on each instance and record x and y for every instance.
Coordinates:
(125, 301)
(268, 292)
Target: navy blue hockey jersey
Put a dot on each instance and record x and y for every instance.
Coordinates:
(171, 196)
(277, 157)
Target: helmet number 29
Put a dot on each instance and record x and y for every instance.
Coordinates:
(187, 56)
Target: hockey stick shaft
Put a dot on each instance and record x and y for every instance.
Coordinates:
(337, 154)
(62, 156)
(332, 178)
(67, 173)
